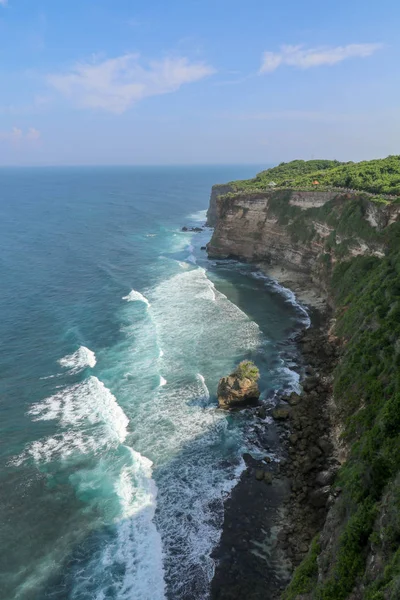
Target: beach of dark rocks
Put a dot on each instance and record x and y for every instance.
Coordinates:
(279, 505)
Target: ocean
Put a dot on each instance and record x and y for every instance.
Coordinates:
(115, 329)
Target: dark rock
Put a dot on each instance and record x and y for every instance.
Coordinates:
(314, 453)
(310, 384)
(268, 477)
(319, 498)
(194, 229)
(203, 248)
(326, 446)
(293, 399)
(259, 475)
(262, 412)
(325, 478)
(281, 413)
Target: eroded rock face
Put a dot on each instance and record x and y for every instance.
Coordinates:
(216, 191)
(261, 227)
(234, 392)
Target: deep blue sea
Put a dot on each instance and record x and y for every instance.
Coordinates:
(114, 329)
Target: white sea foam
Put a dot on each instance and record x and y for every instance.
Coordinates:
(183, 265)
(203, 384)
(199, 216)
(135, 296)
(291, 379)
(79, 360)
(87, 403)
(192, 259)
(162, 381)
(129, 564)
(161, 353)
(196, 452)
(288, 294)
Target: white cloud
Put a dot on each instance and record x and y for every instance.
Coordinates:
(305, 58)
(117, 83)
(16, 136)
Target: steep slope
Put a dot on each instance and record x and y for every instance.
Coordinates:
(349, 245)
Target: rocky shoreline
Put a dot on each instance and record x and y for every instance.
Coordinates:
(279, 506)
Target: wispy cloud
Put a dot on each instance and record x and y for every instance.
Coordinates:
(16, 136)
(295, 115)
(116, 84)
(39, 104)
(3, 2)
(306, 58)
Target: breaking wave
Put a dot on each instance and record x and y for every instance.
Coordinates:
(79, 360)
(135, 296)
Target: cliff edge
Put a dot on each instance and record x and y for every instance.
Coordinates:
(346, 243)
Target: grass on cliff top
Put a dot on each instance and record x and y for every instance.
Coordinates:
(380, 176)
(367, 392)
(247, 370)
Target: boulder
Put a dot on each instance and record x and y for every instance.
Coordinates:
(234, 392)
(319, 498)
(281, 413)
(268, 477)
(325, 478)
(294, 399)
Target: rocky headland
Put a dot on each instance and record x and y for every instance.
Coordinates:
(321, 518)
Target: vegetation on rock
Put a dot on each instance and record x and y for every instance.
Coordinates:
(305, 577)
(367, 392)
(247, 370)
(378, 177)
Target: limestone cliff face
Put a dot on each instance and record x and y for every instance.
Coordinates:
(216, 191)
(302, 231)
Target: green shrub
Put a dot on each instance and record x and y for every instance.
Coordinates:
(367, 393)
(305, 577)
(247, 370)
(377, 177)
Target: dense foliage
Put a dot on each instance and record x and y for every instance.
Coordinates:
(381, 176)
(305, 577)
(367, 391)
(247, 370)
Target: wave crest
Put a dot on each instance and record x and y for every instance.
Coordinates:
(135, 296)
(79, 360)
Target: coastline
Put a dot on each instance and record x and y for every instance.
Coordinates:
(277, 507)
(305, 290)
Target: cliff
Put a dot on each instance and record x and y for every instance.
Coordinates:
(304, 231)
(216, 191)
(347, 244)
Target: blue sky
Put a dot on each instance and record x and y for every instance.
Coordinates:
(197, 81)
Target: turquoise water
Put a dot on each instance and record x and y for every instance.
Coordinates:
(115, 330)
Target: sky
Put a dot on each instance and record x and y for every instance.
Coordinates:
(121, 82)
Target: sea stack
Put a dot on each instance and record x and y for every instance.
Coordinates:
(240, 388)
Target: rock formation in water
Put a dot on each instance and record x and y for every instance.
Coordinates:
(240, 388)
